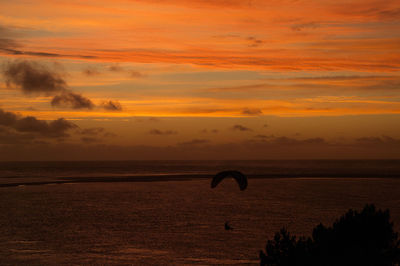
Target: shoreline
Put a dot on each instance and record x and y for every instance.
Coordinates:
(185, 177)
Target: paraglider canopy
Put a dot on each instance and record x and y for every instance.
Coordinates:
(240, 178)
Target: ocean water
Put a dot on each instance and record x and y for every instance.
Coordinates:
(165, 213)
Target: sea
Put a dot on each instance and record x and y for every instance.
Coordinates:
(166, 213)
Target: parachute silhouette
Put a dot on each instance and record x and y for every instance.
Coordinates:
(240, 178)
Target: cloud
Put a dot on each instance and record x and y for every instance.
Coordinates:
(109, 135)
(72, 100)
(7, 118)
(31, 77)
(307, 25)
(116, 68)
(241, 128)
(254, 42)
(291, 141)
(11, 122)
(373, 141)
(211, 131)
(251, 111)
(135, 74)
(264, 137)
(154, 119)
(196, 149)
(389, 14)
(90, 140)
(8, 46)
(251, 40)
(207, 3)
(162, 133)
(377, 10)
(112, 105)
(131, 73)
(12, 137)
(148, 119)
(95, 132)
(15, 130)
(91, 72)
(56, 128)
(194, 142)
(246, 88)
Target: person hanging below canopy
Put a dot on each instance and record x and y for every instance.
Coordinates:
(227, 226)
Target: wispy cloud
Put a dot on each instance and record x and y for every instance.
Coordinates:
(162, 132)
(194, 142)
(112, 105)
(241, 128)
(252, 111)
(306, 25)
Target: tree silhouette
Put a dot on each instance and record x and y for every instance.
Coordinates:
(356, 238)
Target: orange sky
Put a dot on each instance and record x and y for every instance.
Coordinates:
(201, 75)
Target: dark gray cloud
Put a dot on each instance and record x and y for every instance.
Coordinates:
(9, 136)
(31, 78)
(72, 100)
(162, 133)
(251, 111)
(7, 118)
(95, 132)
(382, 140)
(56, 128)
(112, 106)
(19, 130)
(241, 128)
(12, 123)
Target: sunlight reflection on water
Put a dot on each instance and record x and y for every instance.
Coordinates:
(176, 222)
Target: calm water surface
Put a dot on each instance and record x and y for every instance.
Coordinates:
(174, 222)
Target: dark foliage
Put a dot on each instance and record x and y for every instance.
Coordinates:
(356, 238)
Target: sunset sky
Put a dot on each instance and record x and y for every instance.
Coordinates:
(199, 79)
